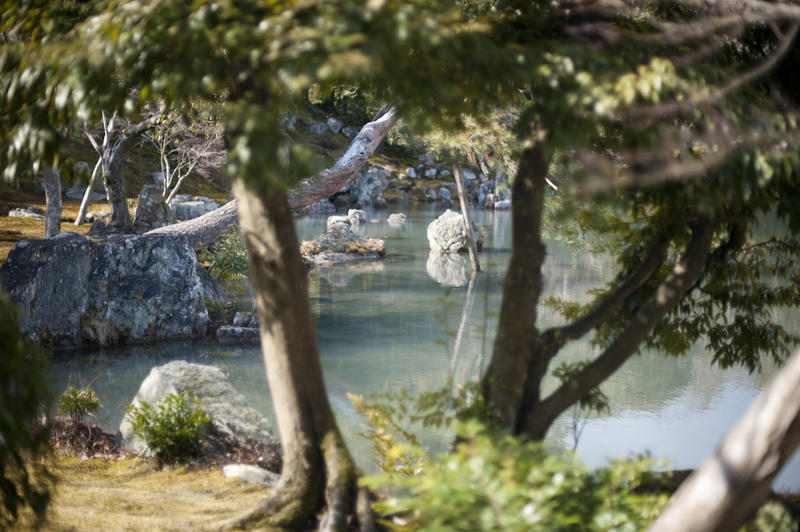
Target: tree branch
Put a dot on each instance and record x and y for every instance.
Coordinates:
(330, 181)
(674, 107)
(667, 294)
(206, 229)
(603, 310)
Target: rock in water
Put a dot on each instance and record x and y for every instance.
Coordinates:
(340, 244)
(230, 413)
(72, 290)
(397, 219)
(447, 233)
(151, 210)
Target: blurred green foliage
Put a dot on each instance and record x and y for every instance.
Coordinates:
(24, 479)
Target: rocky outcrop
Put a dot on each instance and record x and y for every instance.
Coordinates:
(230, 413)
(368, 186)
(340, 244)
(447, 233)
(151, 210)
(72, 290)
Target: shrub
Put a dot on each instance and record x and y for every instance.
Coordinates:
(226, 258)
(498, 482)
(78, 402)
(172, 429)
(24, 480)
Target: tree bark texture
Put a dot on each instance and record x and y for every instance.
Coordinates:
(732, 483)
(52, 199)
(318, 472)
(516, 328)
(120, 219)
(205, 229)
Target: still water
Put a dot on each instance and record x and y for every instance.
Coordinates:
(414, 322)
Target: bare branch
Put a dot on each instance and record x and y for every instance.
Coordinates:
(674, 107)
(606, 308)
(667, 294)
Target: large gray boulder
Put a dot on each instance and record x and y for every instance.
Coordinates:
(230, 413)
(186, 207)
(72, 290)
(447, 233)
(151, 210)
(340, 244)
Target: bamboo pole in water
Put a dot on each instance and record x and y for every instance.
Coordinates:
(471, 247)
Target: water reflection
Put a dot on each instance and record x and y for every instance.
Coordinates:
(404, 323)
(448, 269)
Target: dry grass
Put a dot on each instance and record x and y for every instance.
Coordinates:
(13, 230)
(307, 247)
(130, 495)
(371, 245)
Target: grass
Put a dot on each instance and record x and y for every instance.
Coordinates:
(13, 230)
(129, 494)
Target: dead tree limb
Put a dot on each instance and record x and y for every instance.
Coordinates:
(207, 228)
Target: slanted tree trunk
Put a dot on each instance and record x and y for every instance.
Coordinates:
(52, 198)
(206, 229)
(318, 473)
(731, 484)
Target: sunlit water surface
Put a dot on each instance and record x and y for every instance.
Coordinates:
(410, 322)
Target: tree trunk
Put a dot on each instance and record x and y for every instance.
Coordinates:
(120, 219)
(731, 484)
(88, 193)
(516, 329)
(318, 473)
(206, 229)
(52, 195)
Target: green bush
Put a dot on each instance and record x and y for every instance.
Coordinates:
(78, 402)
(492, 481)
(172, 429)
(24, 479)
(226, 258)
(498, 482)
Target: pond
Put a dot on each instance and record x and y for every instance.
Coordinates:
(413, 323)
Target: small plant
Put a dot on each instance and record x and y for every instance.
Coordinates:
(78, 402)
(226, 259)
(172, 429)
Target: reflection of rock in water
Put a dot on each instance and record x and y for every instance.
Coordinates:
(448, 269)
(342, 274)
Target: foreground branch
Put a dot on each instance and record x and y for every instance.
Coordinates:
(206, 229)
(666, 296)
(732, 483)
